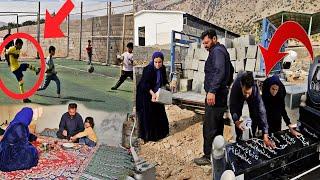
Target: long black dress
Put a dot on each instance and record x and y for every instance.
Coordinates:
(153, 119)
(275, 105)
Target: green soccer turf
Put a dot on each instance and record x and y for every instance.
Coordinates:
(92, 90)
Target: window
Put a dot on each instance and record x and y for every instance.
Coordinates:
(142, 36)
(185, 20)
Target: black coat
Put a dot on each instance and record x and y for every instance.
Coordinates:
(275, 105)
(153, 119)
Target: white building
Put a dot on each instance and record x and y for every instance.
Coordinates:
(154, 27)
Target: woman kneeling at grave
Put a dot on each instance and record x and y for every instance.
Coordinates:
(273, 95)
(154, 123)
(16, 153)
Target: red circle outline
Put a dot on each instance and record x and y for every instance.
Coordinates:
(42, 65)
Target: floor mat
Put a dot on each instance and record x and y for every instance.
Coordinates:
(109, 163)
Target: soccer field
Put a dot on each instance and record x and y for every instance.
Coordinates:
(77, 85)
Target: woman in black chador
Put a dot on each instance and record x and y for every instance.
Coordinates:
(273, 96)
(153, 119)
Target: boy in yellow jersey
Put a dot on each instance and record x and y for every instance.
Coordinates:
(16, 68)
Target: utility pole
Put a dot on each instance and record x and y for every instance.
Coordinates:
(38, 27)
(80, 38)
(108, 33)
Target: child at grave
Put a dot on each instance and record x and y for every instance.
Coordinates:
(88, 136)
(89, 51)
(18, 69)
(51, 74)
(127, 70)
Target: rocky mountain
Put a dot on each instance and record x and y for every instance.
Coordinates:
(236, 15)
(3, 23)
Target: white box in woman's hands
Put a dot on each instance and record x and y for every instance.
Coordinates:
(164, 96)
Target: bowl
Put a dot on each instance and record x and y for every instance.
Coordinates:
(68, 145)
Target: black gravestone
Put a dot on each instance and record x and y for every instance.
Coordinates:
(310, 114)
(292, 155)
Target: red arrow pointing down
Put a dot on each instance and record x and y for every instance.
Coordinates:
(288, 30)
(52, 24)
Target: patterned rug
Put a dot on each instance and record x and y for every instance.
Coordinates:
(56, 163)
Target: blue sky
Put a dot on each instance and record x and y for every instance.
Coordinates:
(51, 5)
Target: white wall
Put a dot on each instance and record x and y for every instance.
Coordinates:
(158, 27)
(108, 125)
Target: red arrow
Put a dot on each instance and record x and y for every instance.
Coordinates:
(52, 24)
(288, 30)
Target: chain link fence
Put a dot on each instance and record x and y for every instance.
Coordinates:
(108, 25)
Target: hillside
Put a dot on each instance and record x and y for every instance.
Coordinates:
(3, 23)
(236, 15)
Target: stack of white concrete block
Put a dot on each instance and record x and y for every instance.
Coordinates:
(244, 55)
(193, 71)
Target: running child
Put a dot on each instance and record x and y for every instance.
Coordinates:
(51, 73)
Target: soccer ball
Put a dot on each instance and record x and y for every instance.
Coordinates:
(90, 69)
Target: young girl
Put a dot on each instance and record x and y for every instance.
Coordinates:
(88, 136)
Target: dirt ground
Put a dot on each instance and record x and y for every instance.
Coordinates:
(173, 155)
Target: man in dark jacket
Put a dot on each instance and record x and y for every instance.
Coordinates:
(244, 89)
(71, 123)
(217, 75)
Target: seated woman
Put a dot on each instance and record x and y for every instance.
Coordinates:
(273, 95)
(154, 123)
(16, 153)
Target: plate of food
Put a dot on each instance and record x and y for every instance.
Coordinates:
(68, 145)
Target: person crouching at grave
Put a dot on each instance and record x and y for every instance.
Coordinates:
(154, 123)
(273, 95)
(245, 89)
(16, 153)
(88, 136)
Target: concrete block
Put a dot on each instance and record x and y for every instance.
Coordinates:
(239, 65)
(190, 53)
(226, 42)
(247, 40)
(190, 74)
(252, 52)
(232, 53)
(200, 76)
(241, 53)
(185, 85)
(244, 41)
(250, 65)
(194, 45)
(195, 84)
(195, 64)
(236, 42)
(188, 63)
(201, 66)
(234, 64)
(258, 62)
(202, 90)
(201, 54)
(164, 96)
